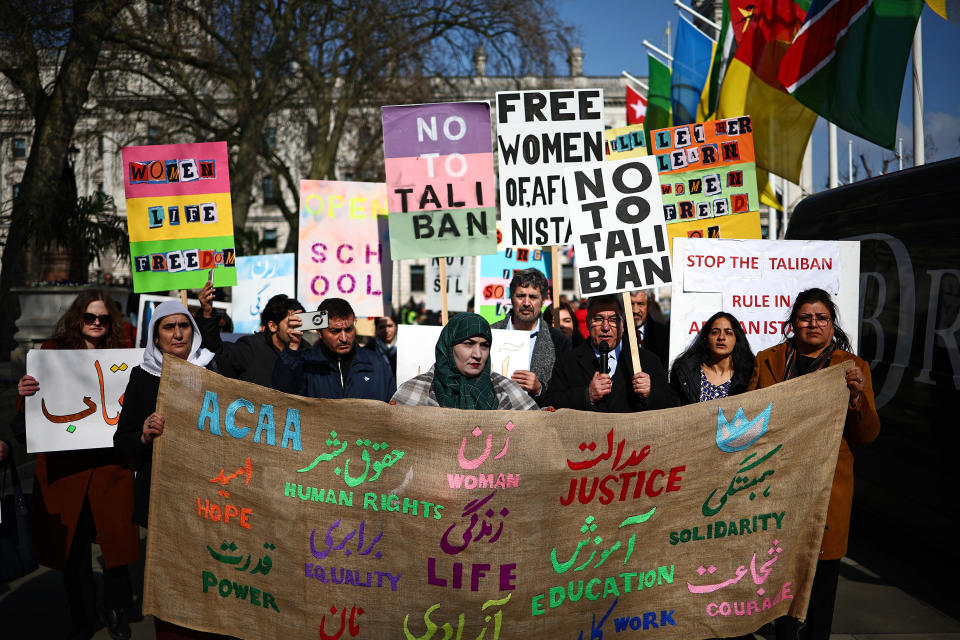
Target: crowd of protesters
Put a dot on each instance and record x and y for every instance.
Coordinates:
(580, 358)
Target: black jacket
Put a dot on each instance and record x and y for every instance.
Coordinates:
(656, 340)
(311, 373)
(574, 371)
(250, 358)
(139, 401)
(685, 381)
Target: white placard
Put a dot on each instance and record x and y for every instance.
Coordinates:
(538, 134)
(416, 346)
(78, 404)
(458, 283)
(756, 281)
(149, 302)
(710, 261)
(619, 232)
(259, 278)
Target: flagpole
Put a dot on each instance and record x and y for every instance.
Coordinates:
(635, 81)
(659, 51)
(699, 16)
(850, 161)
(918, 134)
(832, 144)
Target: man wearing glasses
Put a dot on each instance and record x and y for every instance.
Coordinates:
(598, 375)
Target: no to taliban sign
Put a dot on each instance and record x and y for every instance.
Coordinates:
(360, 519)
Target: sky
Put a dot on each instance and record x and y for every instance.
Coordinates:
(611, 33)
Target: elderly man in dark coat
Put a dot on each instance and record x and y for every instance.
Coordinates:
(598, 375)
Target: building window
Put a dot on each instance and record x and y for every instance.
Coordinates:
(269, 240)
(153, 135)
(269, 195)
(19, 147)
(100, 146)
(566, 277)
(417, 277)
(270, 137)
(100, 187)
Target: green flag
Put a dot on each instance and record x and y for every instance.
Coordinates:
(658, 98)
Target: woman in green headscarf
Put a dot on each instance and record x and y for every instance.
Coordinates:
(461, 377)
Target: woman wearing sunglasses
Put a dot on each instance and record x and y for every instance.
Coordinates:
(86, 495)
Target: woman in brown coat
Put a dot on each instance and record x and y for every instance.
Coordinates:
(86, 496)
(818, 342)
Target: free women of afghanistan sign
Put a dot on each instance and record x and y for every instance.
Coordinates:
(352, 518)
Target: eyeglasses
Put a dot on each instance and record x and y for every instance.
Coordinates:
(808, 321)
(596, 321)
(90, 318)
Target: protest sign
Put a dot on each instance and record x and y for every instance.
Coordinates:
(324, 517)
(81, 393)
(440, 187)
(340, 249)
(708, 179)
(416, 353)
(618, 230)
(259, 278)
(757, 281)
(458, 283)
(625, 142)
(494, 273)
(148, 303)
(539, 133)
(179, 216)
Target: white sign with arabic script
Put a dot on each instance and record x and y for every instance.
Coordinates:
(80, 397)
(259, 278)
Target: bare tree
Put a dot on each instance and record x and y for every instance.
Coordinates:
(49, 51)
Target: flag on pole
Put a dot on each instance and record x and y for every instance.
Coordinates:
(658, 97)
(691, 67)
(636, 106)
(782, 125)
(722, 53)
(847, 63)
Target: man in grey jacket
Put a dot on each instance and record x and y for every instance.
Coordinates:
(528, 290)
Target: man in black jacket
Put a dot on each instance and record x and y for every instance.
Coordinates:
(651, 335)
(528, 290)
(251, 358)
(598, 375)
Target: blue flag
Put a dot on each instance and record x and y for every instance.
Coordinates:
(691, 67)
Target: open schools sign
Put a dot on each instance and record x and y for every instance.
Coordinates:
(354, 518)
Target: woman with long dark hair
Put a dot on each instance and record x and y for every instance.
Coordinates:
(813, 340)
(86, 495)
(718, 363)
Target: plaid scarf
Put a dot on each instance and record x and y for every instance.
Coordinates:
(453, 389)
(820, 362)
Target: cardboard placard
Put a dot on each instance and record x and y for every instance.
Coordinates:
(80, 397)
(708, 178)
(458, 281)
(179, 216)
(340, 248)
(494, 273)
(539, 134)
(259, 278)
(617, 218)
(440, 185)
(756, 281)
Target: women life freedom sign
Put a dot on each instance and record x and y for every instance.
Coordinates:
(340, 250)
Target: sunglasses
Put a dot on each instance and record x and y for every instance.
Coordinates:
(90, 318)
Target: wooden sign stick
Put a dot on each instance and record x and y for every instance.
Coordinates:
(444, 314)
(183, 297)
(631, 332)
(555, 274)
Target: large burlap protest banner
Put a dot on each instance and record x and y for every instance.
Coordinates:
(273, 514)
